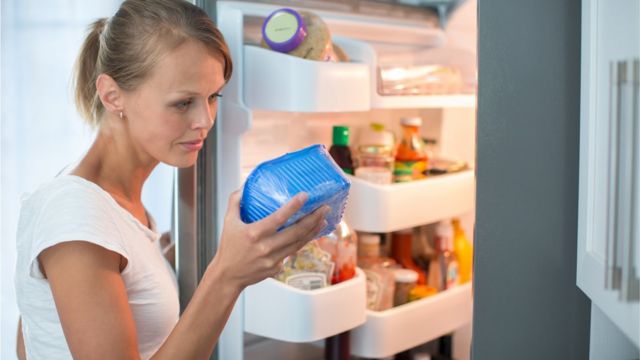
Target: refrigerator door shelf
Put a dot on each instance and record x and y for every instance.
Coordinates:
(385, 208)
(278, 311)
(391, 331)
(281, 82)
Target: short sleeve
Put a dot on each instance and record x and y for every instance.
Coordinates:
(73, 213)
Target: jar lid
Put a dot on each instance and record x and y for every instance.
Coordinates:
(412, 121)
(284, 30)
(405, 275)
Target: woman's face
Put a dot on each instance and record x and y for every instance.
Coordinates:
(171, 112)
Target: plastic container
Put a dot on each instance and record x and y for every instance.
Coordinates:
(405, 282)
(311, 170)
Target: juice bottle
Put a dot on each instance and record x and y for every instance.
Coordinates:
(401, 250)
(411, 157)
(340, 151)
(464, 251)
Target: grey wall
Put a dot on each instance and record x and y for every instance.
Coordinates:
(527, 305)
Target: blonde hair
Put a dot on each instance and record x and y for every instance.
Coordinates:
(128, 45)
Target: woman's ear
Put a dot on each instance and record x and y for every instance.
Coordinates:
(109, 93)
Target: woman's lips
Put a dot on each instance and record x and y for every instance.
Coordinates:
(192, 145)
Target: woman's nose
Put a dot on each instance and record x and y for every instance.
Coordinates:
(204, 118)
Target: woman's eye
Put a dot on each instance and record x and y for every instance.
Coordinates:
(214, 97)
(183, 105)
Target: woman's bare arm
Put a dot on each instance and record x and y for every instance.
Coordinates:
(92, 302)
(22, 355)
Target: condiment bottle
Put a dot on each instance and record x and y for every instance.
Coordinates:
(401, 251)
(464, 251)
(411, 156)
(447, 259)
(340, 151)
(342, 245)
(378, 270)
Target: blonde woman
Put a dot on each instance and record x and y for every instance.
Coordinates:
(91, 281)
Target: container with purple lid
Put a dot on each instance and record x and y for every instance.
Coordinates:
(284, 30)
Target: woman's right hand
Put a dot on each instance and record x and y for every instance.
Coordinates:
(249, 253)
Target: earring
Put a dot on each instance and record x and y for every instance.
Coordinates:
(121, 115)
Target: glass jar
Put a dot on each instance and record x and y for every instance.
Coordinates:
(405, 282)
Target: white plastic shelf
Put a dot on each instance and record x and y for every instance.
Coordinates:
(278, 311)
(391, 331)
(385, 208)
(423, 101)
(281, 82)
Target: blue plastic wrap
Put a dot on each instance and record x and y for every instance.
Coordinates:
(274, 182)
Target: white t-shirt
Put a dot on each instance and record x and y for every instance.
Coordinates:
(71, 208)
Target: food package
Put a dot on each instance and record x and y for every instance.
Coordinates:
(311, 170)
(309, 269)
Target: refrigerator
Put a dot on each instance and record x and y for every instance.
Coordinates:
(276, 103)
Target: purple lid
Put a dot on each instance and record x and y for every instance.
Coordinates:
(284, 30)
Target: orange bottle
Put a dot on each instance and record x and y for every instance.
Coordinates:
(411, 156)
(401, 249)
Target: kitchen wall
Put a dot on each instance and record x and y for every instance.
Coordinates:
(40, 130)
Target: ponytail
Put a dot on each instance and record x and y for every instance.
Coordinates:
(129, 45)
(86, 72)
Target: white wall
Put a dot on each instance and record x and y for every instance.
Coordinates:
(40, 130)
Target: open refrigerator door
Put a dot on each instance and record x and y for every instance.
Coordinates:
(277, 103)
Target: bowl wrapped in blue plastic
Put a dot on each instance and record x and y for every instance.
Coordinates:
(274, 182)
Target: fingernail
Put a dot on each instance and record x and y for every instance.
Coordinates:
(303, 196)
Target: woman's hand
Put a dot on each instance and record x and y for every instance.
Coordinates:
(249, 253)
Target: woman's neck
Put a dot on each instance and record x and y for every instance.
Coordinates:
(116, 165)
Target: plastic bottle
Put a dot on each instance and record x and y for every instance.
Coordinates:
(411, 157)
(374, 158)
(447, 259)
(340, 151)
(378, 270)
(401, 250)
(342, 245)
(464, 251)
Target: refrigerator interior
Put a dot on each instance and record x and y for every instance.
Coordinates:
(258, 122)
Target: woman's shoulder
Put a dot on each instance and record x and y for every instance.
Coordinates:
(65, 197)
(65, 188)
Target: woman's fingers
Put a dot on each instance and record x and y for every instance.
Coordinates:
(273, 222)
(296, 236)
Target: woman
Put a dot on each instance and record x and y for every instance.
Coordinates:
(91, 281)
